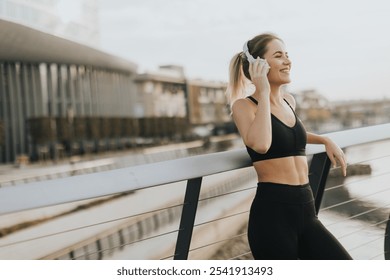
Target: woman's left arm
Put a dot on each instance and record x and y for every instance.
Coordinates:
(333, 151)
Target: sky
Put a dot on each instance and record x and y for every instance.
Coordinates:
(341, 48)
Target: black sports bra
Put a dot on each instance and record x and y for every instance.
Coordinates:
(286, 141)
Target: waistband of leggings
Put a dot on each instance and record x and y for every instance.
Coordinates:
(284, 192)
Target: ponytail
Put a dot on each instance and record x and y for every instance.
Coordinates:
(237, 80)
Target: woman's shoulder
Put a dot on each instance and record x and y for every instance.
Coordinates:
(243, 106)
(290, 99)
(241, 103)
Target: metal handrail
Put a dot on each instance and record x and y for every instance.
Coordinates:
(190, 169)
(87, 186)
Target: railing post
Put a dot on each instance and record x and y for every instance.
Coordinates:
(187, 218)
(318, 173)
(387, 240)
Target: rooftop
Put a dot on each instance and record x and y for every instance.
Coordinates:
(22, 43)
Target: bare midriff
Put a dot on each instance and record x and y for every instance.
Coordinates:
(291, 170)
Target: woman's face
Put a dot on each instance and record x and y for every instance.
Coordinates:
(279, 62)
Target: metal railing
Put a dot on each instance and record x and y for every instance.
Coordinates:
(191, 169)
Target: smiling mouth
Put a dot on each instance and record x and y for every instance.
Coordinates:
(286, 71)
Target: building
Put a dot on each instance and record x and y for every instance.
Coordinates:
(358, 113)
(167, 92)
(56, 94)
(208, 105)
(321, 115)
(192, 103)
(61, 98)
(162, 93)
(314, 110)
(161, 104)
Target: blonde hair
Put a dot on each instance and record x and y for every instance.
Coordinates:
(239, 77)
(237, 81)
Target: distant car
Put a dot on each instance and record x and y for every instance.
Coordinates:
(201, 132)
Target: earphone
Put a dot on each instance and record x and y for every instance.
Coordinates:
(245, 49)
(250, 58)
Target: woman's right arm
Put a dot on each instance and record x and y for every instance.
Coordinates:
(255, 125)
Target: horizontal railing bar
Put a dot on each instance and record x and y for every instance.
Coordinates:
(219, 219)
(358, 215)
(86, 226)
(123, 245)
(366, 212)
(361, 229)
(381, 254)
(355, 136)
(76, 188)
(236, 257)
(227, 193)
(357, 181)
(216, 242)
(127, 244)
(360, 162)
(366, 243)
(168, 257)
(352, 200)
(80, 187)
(55, 175)
(367, 160)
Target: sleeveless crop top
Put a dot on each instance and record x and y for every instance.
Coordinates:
(286, 141)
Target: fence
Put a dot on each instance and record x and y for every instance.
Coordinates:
(191, 169)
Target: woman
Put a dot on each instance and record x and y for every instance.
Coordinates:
(282, 219)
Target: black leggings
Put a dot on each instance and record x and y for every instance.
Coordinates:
(283, 225)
